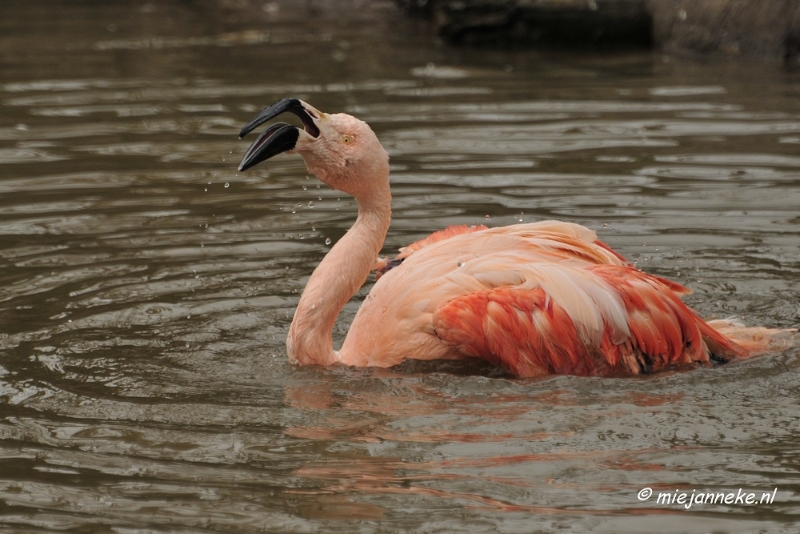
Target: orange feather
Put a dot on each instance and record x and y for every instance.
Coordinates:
(529, 333)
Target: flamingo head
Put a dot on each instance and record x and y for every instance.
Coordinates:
(339, 149)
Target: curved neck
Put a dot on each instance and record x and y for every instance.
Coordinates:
(340, 274)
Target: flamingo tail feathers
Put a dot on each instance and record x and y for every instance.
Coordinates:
(753, 340)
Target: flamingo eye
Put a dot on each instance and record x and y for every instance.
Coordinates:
(346, 139)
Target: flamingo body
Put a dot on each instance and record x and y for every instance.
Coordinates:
(535, 299)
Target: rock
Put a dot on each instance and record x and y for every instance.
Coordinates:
(751, 28)
(547, 23)
(754, 28)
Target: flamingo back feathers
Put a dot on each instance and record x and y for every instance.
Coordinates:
(439, 235)
(384, 265)
(554, 240)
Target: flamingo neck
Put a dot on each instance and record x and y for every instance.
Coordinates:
(336, 279)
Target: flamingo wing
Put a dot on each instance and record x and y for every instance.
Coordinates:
(608, 320)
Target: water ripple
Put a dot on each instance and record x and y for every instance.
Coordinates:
(148, 286)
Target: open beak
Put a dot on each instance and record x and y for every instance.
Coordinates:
(279, 137)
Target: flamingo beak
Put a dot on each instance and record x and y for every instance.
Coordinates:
(279, 137)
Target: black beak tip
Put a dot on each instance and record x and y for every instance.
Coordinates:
(278, 138)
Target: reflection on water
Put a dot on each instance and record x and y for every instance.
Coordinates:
(148, 286)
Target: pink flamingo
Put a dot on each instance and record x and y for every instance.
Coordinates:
(535, 299)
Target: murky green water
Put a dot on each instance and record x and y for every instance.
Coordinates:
(147, 286)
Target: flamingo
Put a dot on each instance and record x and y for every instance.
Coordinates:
(534, 299)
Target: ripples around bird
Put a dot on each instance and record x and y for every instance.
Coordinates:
(148, 286)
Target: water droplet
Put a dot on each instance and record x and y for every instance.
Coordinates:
(227, 185)
(487, 217)
(209, 182)
(605, 225)
(206, 225)
(656, 248)
(313, 228)
(319, 198)
(305, 187)
(202, 245)
(310, 203)
(327, 240)
(188, 316)
(313, 306)
(317, 186)
(294, 211)
(206, 189)
(461, 264)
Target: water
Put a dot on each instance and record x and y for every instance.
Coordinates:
(148, 286)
